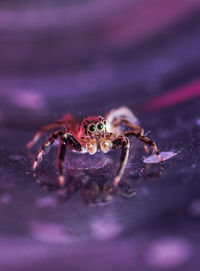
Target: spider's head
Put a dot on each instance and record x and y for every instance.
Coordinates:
(93, 127)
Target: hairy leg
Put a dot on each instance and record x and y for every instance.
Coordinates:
(68, 121)
(124, 143)
(145, 140)
(67, 140)
(46, 146)
(60, 160)
(139, 133)
(43, 130)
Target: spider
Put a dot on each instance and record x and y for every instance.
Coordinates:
(94, 134)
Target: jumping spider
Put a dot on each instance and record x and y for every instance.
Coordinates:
(94, 134)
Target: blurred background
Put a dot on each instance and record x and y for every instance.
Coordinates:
(87, 57)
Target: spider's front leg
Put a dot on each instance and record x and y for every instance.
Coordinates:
(124, 143)
(45, 147)
(67, 140)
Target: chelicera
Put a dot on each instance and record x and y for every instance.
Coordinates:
(94, 134)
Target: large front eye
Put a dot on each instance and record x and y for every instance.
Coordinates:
(92, 127)
(100, 126)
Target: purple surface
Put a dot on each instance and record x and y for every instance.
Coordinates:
(73, 69)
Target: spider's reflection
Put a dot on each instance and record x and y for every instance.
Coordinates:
(94, 188)
(92, 192)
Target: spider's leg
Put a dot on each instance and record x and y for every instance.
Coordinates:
(60, 160)
(71, 124)
(68, 121)
(123, 142)
(45, 146)
(145, 148)
(137, 130)
(43, 130)
(67, 140)
(145, 140)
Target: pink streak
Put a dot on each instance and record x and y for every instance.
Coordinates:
(173, 97)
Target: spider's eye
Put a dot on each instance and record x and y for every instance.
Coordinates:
(92, 128)
(100, 126)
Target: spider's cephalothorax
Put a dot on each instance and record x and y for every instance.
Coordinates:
(95, 134)
(93, 127)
